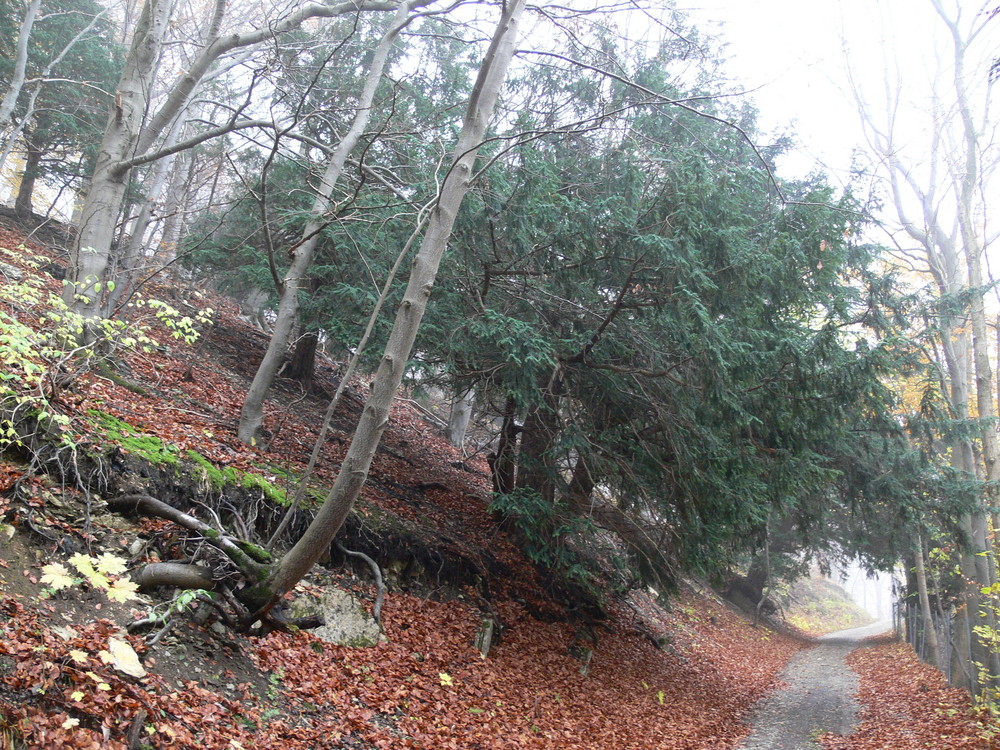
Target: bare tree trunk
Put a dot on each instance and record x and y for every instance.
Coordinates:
(252, 414)
(461, 415)
(318, 537)
(930, 632)
(17, 77)
(84, 292)
(127, 270)
(23, 205)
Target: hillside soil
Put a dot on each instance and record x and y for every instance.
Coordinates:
(576, 666)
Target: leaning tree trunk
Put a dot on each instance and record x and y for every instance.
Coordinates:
(252, 413)
(317, 538)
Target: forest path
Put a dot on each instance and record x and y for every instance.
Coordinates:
(818, 697)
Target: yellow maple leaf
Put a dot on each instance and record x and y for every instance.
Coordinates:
(83, 563)
(77, 695)
(103, 686)
(78, 656)
(111, 565)
(122, 590)
(57, 577)
(446, 679)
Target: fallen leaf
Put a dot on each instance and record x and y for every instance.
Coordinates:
(124, 658)
(57, 576)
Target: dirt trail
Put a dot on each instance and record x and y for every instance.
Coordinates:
(818, 697)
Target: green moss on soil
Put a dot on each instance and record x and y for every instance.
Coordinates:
(219, 478)
(151, 448)
(133, 440)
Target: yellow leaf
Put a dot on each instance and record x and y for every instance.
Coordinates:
(57, 577)
(78, 656)
(111, 565)
(99, 580)
(445, 678)
(105, 657)
(70, 723)
(122, 590)
(77, 695)
(83, 563)
(103, 686)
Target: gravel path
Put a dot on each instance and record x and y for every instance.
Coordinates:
(818, 697)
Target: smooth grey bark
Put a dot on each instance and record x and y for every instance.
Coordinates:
(89, 257)
(125, 137)
(375, 417)
(949, 172)
(252, 413)
(126, 268)
(460, 416)
(19, 73)
(345, 378)
(930, 631)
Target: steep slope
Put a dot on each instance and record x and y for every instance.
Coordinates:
(575, 667)
(625, 674)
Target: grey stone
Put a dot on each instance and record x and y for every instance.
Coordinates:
(13, 273)
(347, 622)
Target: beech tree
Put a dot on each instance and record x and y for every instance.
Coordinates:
(302, 252)
(131, 136)
(937, 196)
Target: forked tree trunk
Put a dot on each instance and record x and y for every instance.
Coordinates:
(375, 417)
(84, 292)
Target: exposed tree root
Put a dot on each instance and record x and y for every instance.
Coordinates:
(377, 571)
(177, 575)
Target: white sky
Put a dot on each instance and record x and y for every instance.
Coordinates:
(794, 54)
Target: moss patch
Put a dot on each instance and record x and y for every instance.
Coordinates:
(219, 478)
(133, 440)
(149, 447)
